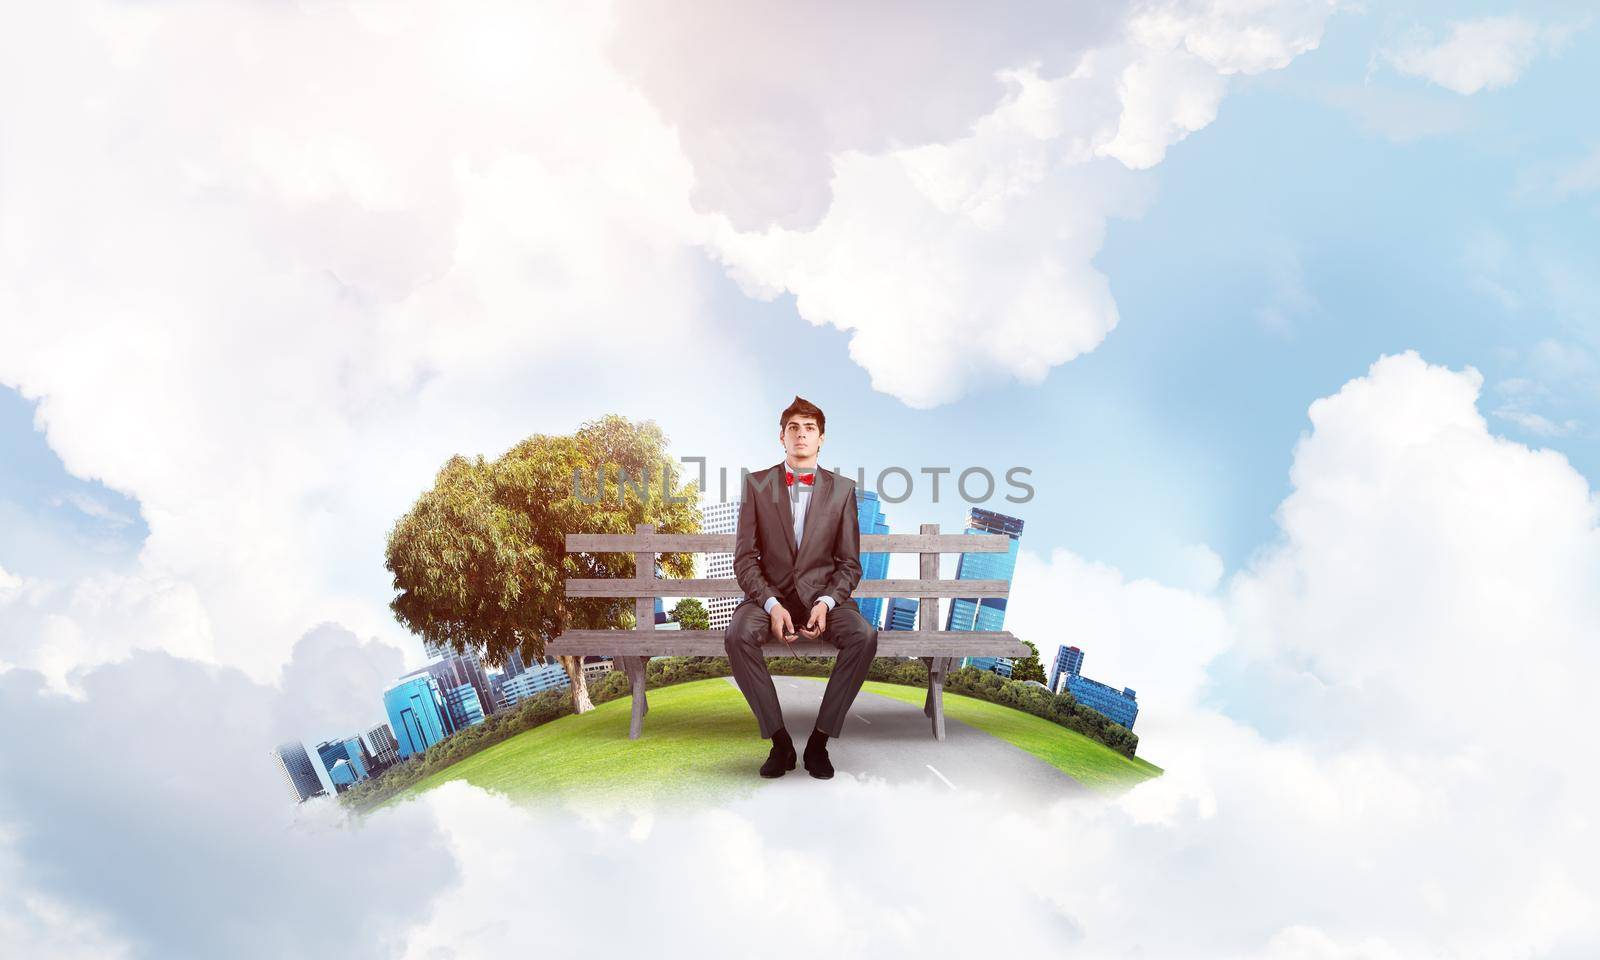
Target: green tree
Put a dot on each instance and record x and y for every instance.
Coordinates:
(691, 614)
(480, 561)
(1029, 667)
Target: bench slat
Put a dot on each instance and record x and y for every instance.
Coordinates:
(722, 587)
(723, 542)
(709, 643)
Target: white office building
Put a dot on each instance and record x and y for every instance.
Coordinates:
(536, 678)
(595, 669)
(718, 518)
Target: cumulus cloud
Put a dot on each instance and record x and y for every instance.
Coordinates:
(1377, 712)
(959, 264)
(59, 627)
(1483, 54)
(268, 304)
(898, 258)
(333, 684)
(1413, 538)
(147, 819)
(40, 925)
(791, 87)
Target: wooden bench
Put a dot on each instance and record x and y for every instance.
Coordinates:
(630, 649)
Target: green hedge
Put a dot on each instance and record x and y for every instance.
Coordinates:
(1059, 708)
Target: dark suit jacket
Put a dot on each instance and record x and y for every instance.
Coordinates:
(828, 560)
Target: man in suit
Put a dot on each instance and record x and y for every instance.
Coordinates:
(797, 556)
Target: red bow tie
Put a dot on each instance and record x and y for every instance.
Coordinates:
(806, 478)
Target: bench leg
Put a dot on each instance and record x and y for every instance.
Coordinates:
(933, 705)
(641, 706)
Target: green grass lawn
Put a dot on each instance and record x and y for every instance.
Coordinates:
(700, 744)
(1089, 762)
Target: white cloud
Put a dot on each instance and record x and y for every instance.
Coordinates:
(268, 305)
(1402, 115)
(93, 507)
(1537, 423)
(1235, 36)
(148, 819)
(945, 261)
(1558, 375)
(10, 585)
(36, 924)
(960, 264)
(1416, 545)
(790, 89)
(1402, 674)
(57, 628)
(1483, 54)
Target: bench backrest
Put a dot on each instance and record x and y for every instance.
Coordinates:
(645, 544)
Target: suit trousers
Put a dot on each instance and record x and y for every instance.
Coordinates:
(751, 628)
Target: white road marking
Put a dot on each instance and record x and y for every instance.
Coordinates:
(941, 776)
(862, 719)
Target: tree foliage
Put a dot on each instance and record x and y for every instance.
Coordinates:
(691, 614)
(1029, 667)
(480, 561)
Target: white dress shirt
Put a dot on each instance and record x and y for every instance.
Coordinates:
(799, 500)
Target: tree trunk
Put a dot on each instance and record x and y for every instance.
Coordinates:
(580, 686)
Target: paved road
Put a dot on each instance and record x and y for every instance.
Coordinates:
(889, 740)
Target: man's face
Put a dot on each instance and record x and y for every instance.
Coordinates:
(800, 438)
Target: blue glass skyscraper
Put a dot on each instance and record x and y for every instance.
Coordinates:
(874, 566)
(417, 713)
(902, 614)
(342, 775)
(356, 752)
(986, 613)
(464, 706)
(1122, 706)
(298, 771)
(352, 751)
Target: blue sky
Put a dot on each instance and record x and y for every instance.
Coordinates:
(56, 524)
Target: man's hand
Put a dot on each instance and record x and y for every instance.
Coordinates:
(783, 625)
(818, 622)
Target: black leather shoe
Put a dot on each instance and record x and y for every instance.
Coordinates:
(817, 762)
(779, 760)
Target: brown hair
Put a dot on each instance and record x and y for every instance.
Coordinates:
(805, 408)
